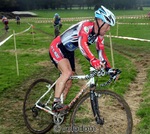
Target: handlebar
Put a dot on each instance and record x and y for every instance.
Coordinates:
(114, 75)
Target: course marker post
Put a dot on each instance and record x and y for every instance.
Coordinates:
(117, 28)
(111, 49)
(33, 34)
(16, 53)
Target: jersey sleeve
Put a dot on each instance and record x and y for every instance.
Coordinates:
(101, 52)
(82, 42)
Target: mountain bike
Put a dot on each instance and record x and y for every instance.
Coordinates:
(6, 27)
(57, 29)
(91, 110)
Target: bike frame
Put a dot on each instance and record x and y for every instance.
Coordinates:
(56, 30)
(91, 81)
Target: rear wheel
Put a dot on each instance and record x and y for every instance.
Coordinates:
(37, 120)
(57, 32)
(6, 27)
(113, 109)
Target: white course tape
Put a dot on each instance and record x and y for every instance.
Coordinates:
(2, 42)
(24, 31)
(128, 38)
(133, 23)
(132, 17)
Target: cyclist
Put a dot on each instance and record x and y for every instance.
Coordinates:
(80, 35)
(57, 21)
(18, 20)
(5, 21)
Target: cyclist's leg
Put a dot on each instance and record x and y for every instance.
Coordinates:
(6, 25)
(56, 30)
(69, 82)
(64, 67)
(66, 72)
(60, 25)
(67, 87)
(57, 53)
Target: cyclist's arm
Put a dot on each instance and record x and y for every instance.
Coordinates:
(101, 53)
(59, 20)
(84, 48)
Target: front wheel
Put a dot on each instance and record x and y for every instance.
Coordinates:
(56, 31)
(37, 120)
(6, 27)
(113, 109)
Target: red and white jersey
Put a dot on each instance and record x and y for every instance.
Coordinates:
(81, 35)
(4, 19)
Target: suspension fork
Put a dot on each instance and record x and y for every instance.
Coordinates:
(94, 104)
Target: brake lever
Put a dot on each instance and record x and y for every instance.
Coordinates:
(116, 77)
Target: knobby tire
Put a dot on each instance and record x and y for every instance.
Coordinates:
(37, 120)
(113, 108)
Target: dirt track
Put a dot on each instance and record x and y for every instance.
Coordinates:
(133, 96)
(12, 121)
(11, 102)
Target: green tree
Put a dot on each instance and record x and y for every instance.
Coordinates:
(8, 5)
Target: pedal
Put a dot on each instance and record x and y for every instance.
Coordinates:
(58, 119)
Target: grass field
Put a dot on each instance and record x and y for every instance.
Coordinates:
(33, 60)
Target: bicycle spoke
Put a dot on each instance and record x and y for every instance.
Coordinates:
(113, 109)
(114, 115)
(36, 119)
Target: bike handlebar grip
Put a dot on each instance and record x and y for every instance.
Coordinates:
(118, 71)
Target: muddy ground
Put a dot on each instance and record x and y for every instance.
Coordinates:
(11, 102)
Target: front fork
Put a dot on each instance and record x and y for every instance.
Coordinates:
(94, 104)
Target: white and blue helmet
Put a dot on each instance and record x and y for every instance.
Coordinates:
(56, 14)
(105, 15)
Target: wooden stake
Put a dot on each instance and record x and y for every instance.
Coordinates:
(117, 29)
(112, 56)
(33, 34)
(16, 53)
